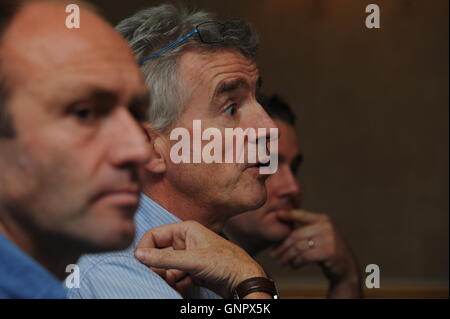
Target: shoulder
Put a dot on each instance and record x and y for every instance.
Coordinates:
(119, 275)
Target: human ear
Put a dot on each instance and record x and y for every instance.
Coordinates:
(157, 162)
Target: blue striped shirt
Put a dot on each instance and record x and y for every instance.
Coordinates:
(120, 275)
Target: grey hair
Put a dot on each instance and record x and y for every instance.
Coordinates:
(154, 28)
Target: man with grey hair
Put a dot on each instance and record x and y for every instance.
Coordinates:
(196, 69)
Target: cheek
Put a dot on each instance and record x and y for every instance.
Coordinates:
(21, 172)
(273, 183)
(42, 181)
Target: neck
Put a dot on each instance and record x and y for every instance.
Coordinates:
(181, 205)
(47, 250)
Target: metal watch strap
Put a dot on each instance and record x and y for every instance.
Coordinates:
(255, 284)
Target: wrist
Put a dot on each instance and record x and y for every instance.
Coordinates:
(346, 287)
(343, 273)
(256, 288)
(251, 272)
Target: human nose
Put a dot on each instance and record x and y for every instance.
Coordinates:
(129, 143)
(291, 186)
(266, 139)
(264, 125)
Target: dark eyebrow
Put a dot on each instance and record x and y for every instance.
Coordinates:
(139, 105)
(230, 86)
(298, 160)
(94, 94)
(142, 98)
(100, 97)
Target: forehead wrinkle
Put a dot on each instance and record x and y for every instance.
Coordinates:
(250, 73)
(231, 86)
(238, 67)
(214, 66)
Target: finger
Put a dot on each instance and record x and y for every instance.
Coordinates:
(281, 249)
(288, 255)
(173, 276)
(165, 236)
(299, 216)
(313, 256)
(159, 271)
(186, 260)
(299, 234)
(183, 285)
(297, 262)
(307, 232)
(299, 247)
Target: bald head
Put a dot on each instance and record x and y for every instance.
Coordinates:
(37, 46)
(40, 44)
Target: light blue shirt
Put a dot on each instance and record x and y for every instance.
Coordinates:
(120, 275)
(22, 277)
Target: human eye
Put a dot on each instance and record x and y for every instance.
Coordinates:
(82, 111)
(87, 112)
(83, 114)
(231, 109)
(139, 112)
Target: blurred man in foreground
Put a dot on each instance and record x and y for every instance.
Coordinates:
(70, 142)
(300, 237)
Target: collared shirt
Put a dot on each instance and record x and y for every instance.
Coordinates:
(121, 275)
(22, 277)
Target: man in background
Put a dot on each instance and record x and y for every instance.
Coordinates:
(300, 237)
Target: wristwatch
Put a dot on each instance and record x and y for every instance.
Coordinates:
(255, 284)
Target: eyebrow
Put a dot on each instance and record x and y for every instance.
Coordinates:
(298, 161)
(98, 93)
(100, 97)
(106, 98)
(230, 86)
(142, 98)
(87, 93)
(140, 104)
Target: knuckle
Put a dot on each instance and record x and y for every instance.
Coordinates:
(191, 223)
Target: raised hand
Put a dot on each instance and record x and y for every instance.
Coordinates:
(315, 239)
(208, 259)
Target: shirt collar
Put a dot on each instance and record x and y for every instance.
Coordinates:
(151, 215)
